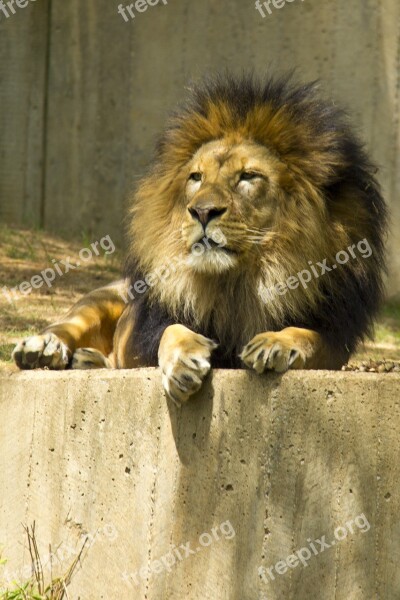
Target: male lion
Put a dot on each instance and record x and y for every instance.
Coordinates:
(238, 242)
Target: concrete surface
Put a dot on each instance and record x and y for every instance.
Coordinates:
(251, 471)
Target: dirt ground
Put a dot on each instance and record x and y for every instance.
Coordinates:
(26, 253)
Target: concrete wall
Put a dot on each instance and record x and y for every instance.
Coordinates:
(84, 93)
(286, 460)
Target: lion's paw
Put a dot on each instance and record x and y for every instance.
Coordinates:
(184, 362)
(40, 351)
(273, 352)
(89, 358)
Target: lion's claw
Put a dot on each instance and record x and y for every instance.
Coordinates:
(272, 352)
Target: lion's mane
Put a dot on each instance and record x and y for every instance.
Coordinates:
(337, 203)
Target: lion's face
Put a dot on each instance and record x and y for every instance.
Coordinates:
(231, 199)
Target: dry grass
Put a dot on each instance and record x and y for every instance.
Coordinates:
(37, 588)
(25, 253)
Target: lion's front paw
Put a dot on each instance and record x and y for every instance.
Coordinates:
(41, 351)
(273, 352)
(184, 358)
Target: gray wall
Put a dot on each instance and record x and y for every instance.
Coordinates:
(83, 93)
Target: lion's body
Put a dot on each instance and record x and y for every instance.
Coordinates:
(270, 181)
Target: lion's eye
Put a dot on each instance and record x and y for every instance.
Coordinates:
(248, 175)
(195, 176)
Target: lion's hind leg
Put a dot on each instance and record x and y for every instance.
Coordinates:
(83, 339)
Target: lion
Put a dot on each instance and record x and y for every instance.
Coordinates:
(256, 240)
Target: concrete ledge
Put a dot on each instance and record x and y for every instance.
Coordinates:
(281, 461)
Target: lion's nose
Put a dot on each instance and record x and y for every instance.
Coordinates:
(206, 214)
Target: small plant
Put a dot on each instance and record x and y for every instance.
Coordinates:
(36, 588)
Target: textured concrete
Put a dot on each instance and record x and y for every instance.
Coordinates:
(281, 461)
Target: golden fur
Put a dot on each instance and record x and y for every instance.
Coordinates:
(272, 245)
(268, 179)
(292, 226)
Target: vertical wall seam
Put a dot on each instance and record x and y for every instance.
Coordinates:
(396, 115)
(42, 216)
